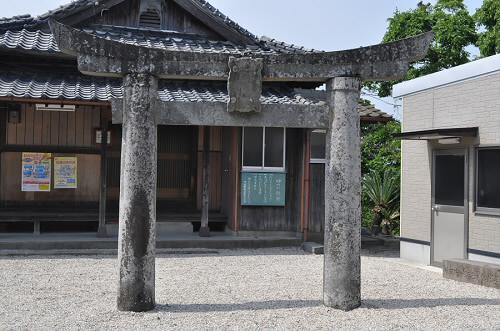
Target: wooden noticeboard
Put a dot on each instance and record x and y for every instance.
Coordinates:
(263, 189)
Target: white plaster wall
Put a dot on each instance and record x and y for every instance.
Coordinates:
(482, 258)
(417, 253)
(416, 191)
(474, 102)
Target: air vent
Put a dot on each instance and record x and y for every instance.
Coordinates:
(150, 19)
(55, 107)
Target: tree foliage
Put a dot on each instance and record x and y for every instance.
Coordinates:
(379, 149)
(382, 190)
(454, 30)
(379, 152)
(488, 20)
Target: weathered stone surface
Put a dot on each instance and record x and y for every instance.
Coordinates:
(216, 114)
(342, 264)
(474, 272)
(137, 235)
(111, 58)
(244, 85)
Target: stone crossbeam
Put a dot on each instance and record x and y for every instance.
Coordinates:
(216, 114)
(103, 57)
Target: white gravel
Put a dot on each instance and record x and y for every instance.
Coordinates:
(244, 289)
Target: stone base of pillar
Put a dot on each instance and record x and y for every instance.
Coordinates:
(347, 305)
(204, 232)
(127, 302)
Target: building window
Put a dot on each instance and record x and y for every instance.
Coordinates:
(318, 146)
(488, 180)
(264, 149)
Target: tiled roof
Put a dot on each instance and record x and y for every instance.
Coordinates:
(166, 40)
(370, 111)
(214, 11)
(23, 32)
(29, 40)
(198, 91)
(176, 41)
(75, 6)
(43, 86)
(27, 21)
(74, 87)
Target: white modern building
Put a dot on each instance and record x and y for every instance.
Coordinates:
(450, 186)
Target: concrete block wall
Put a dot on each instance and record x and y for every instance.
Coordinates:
(469, 103)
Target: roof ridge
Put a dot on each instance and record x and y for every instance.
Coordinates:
(28, 21)
(150, 32)
(226, 19)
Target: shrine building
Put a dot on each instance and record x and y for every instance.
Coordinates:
(60, 146)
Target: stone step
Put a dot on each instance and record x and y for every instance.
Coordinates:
(9, 246)
(473, 272)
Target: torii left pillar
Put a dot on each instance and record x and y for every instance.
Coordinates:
(137, 228)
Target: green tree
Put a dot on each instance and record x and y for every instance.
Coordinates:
(488, 19)
(454, 30)
(379, 152)
(379, 149)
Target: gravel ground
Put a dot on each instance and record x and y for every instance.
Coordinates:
(245, 289)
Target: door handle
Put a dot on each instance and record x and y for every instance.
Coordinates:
(435, 208)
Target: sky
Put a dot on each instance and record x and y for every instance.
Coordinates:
(319, 24)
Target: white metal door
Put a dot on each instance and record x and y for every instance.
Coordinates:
(449, 203)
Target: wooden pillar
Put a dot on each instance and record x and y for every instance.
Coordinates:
(305, 185)
(101, 232)
(205, 203)
(236, 169)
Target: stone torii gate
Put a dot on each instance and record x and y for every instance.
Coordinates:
(141, 111)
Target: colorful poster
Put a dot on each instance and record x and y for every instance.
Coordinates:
(36, 172)
(65, 172)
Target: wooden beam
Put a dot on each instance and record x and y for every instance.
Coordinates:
(57, 101)
(50, 149)
(85, 14)
(205, 193)
(101, 232)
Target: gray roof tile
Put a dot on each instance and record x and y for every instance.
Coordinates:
(29, 40)
(166, 40)
(43, 86)
(32, 39)
(74, 87)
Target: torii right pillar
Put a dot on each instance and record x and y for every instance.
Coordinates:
(342, 263)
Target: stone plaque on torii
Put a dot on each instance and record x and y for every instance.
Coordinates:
(141, 111)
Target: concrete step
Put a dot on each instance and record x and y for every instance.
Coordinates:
(366, 242)
(29, 245)
(474, 272)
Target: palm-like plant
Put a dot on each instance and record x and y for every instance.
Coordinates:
(382, 188)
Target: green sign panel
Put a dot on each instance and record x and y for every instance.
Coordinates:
(263, 189)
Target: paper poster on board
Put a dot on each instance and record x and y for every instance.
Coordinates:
(65, 172)
(36, 172)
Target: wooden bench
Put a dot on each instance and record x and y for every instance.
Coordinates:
(37, 217)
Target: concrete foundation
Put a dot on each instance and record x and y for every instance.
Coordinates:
(474, 272)
(342, 263)
(136, 240)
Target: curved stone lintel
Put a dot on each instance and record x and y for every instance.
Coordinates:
(99, 56)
